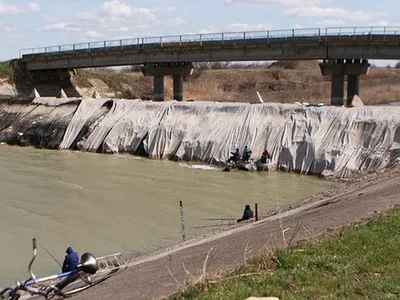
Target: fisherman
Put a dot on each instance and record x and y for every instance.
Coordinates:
(71, 260)
(247, 214)
(264, 156)
(235, 157)
(246, 154)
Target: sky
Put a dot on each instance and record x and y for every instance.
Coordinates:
(39, 23)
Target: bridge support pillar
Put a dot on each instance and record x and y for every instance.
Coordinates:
(353, 88)
(337, 69)
(159, 70)
(178, 87)
(354, 69)
(158, 94)
(337, 90)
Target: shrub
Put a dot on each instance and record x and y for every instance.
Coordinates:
(5, 69)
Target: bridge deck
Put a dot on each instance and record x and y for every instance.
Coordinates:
(330, 43)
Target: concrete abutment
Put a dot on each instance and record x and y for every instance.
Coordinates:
(337, 70)
(159, 70)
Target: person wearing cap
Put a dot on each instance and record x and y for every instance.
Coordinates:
(71, 260)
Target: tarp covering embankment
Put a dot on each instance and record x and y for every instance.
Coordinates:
(334, 141)
(38, 125)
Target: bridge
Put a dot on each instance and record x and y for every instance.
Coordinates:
(344, 51)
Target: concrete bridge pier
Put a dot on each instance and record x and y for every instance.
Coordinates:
(159, 70)
(178, 87)
(354, 69)
(158, 94)
(337, 69)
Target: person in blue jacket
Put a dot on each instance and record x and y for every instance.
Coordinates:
(71, 260)
(246, 154)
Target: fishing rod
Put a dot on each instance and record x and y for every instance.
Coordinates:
(219, 219)
(215, 225)
(48, 252)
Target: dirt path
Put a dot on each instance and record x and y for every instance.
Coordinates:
(166, 273)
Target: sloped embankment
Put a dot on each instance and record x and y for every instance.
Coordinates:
(319, 140)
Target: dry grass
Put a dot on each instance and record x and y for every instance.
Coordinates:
(287, 86)
(281, 82)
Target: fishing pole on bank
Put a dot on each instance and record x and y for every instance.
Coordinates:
(49, 253)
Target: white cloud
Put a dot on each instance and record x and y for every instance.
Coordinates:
(117, 16)
(386, 24)
(34, 7)
(248, 27)
(313, 8)
(122, 29)
(297, 26)
(116, 9)
(6, 9)
(62, 27)
(278, 2)
(163, 10)
(9, 9)
(114, 17)
(315, 11)
(91, 34)
(205, 31)
(336, 22)
(53, 19)
(174, 22)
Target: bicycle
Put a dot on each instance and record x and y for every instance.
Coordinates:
(51, 286)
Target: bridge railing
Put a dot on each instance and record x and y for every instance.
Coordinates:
(371, 30)
(219, 39)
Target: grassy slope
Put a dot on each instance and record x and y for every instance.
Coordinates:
(361, 262)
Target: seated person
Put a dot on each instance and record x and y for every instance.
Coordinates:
(235, 156)
(247, 214)
(246, 154)
(265, 156)
(71, 260)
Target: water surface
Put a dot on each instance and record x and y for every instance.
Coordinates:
(110, 203)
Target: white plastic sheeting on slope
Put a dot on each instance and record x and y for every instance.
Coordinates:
(322, 140)
(87, 108)
(133, 128)
(51, 101)
(118, 110)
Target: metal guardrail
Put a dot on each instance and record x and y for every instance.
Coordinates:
(217, 38)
